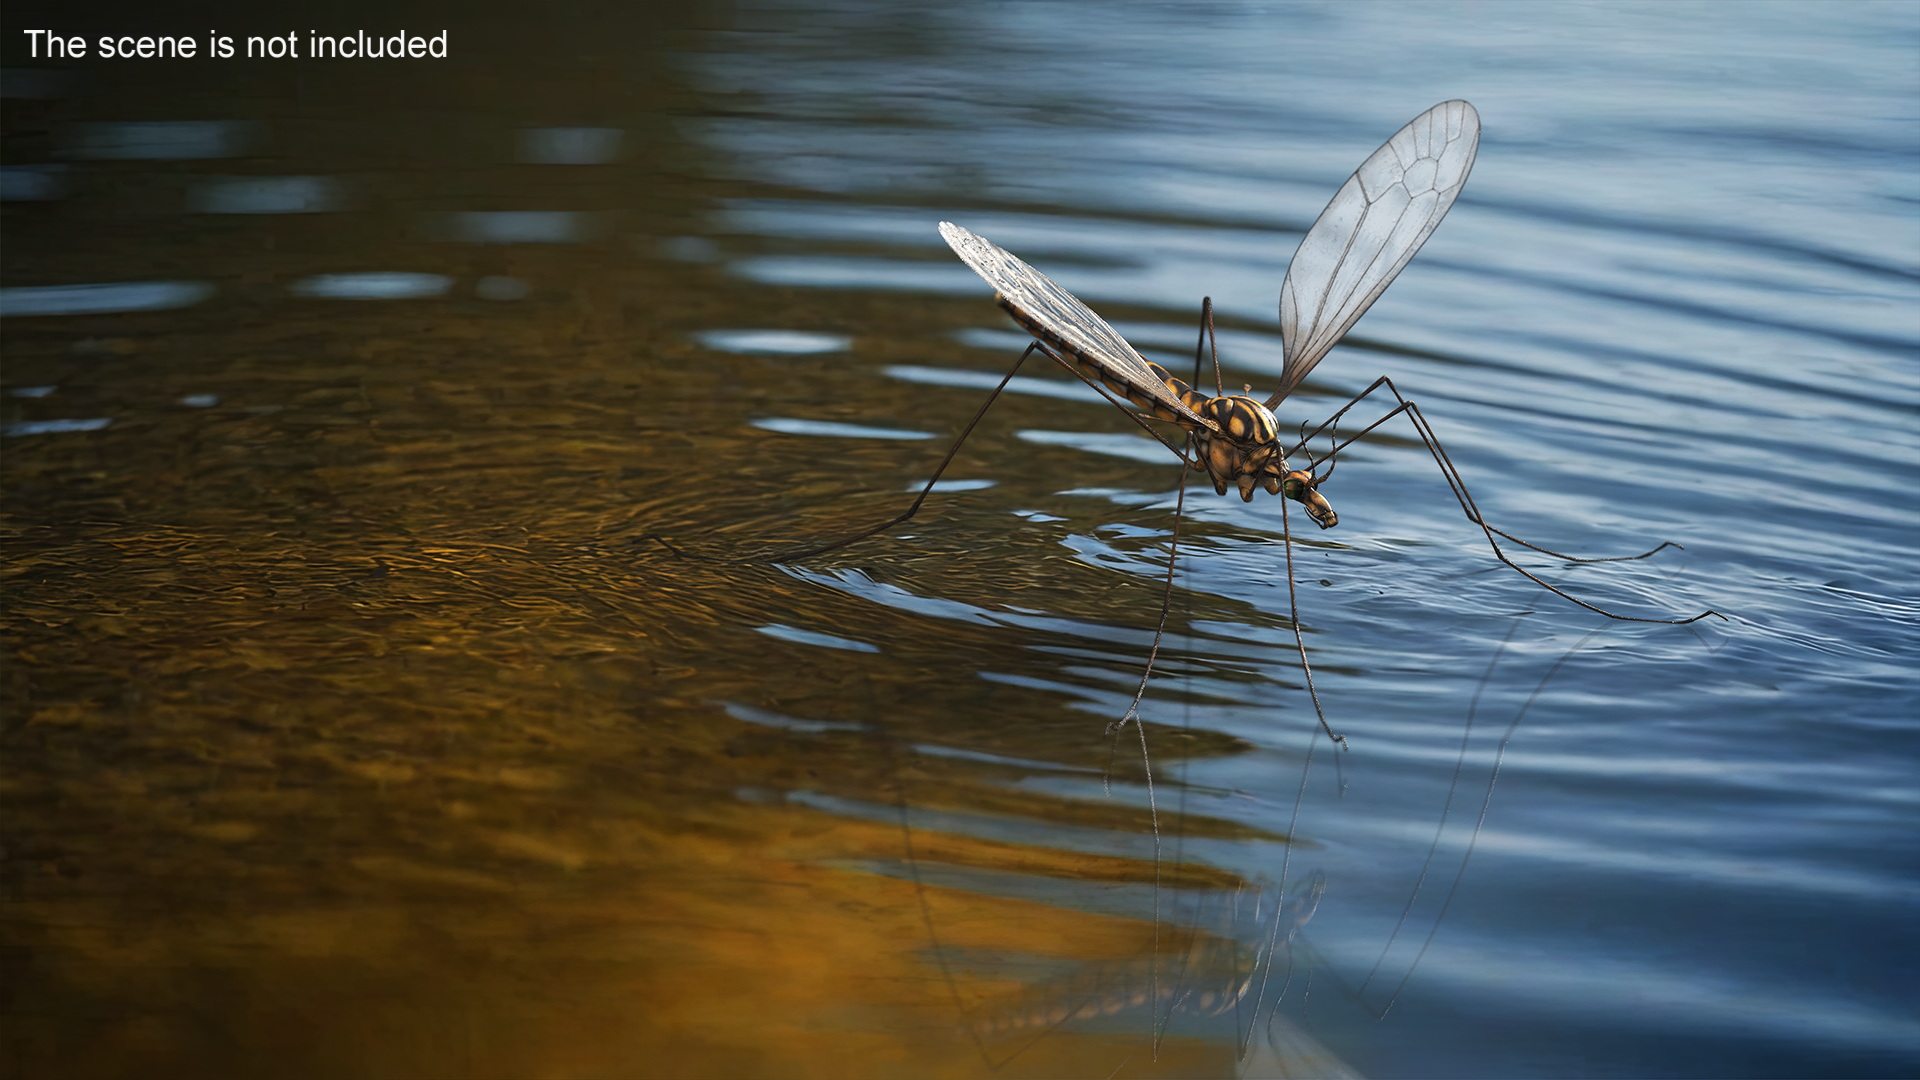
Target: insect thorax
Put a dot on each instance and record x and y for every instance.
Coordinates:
(1246, 451)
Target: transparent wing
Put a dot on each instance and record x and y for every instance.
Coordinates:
(1063, 318)
(1367, 234)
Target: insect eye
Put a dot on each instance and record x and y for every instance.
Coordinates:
(1292, 488)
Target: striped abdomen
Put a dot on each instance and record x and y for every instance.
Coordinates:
(1239, 418)
(1237, 438)
(1140, 393)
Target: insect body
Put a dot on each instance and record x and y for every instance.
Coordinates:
(1237, 438)
(1362, 240)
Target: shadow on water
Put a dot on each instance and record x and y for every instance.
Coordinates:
(349, 730)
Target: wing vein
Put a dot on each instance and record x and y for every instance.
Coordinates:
(1369, 231)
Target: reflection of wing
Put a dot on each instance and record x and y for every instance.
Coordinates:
(1379, 218)
(1287, 1051)
(1057, 318)
(1218, 971)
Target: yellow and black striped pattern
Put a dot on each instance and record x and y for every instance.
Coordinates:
(1142, 382)
(1237, 437)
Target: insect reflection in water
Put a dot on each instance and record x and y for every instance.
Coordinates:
(1237, 962)
(1366, 235)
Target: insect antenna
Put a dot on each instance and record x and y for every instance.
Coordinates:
(1312, 462)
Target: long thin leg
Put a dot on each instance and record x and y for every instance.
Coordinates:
(1486, 804)
(1132, 715)
(1292, 916)
(1299, 639)
(1160, 628)
(1146, 761)
(1153, 653)
(1206, 335)
(1179, 508)
(1467, 505)
(1447, 468)
(816, 549)
(1446, 811)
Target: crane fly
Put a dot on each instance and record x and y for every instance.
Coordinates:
(1362, 240)
(1366, 235)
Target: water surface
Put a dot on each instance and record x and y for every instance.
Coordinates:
(359, 722)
